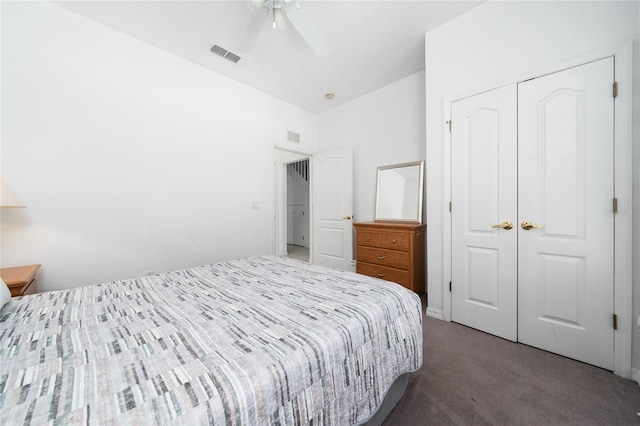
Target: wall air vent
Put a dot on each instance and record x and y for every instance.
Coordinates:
(224, 53)
(293, 137)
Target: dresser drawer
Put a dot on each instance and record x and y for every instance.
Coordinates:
(368, 238)
(393, 258)
(383, 272)
(394, 241)
(392, 251)
(22, 289)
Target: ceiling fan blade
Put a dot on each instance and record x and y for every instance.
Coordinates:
(309, 33)
(255, 26)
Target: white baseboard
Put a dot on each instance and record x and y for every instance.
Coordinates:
(434, 313)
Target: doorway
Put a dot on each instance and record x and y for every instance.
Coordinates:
(283, 217)
(330, 213)
(298, 217)
(532, 172)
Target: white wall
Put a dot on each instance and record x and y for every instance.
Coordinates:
(494, 43)
(383, 127)
(128, 158)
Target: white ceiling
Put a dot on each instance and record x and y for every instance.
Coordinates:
(373, 43)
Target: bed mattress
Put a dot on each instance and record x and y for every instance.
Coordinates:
(261, 340)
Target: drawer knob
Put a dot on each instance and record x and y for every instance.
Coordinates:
(393, 241)
(368, 238)
(380, 274)
(380, 257)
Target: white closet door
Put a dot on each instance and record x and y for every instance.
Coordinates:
(484, 195)
(565, 190)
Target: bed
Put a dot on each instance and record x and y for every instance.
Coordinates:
(260, 340)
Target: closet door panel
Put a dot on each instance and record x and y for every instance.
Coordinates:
(565, 189)
(484, 197)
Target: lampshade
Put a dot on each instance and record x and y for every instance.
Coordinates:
(7, 197)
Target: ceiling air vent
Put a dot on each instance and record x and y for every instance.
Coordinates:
(224, 53)
(293, 137)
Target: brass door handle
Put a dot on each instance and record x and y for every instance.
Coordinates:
(504, 225)
(528, 225)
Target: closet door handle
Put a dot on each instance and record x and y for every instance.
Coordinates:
(528, 225)
(504, 225)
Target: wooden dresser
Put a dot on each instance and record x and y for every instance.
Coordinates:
(393, 251)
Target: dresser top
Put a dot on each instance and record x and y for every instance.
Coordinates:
(396, 225)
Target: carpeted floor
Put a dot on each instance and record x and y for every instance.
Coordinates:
(470, 377)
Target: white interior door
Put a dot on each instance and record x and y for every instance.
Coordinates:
(332, 209)
(295, 225)
(484, 194)
(299, 218)
(565, 267)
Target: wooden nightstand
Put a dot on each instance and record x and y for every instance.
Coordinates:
(21, 280)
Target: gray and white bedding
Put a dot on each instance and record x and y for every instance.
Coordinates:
(254, 341)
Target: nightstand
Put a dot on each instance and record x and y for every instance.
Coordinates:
(21, 280)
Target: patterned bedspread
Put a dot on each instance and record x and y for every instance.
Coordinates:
(255, 341)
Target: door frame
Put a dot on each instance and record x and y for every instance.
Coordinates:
(623, 189)
(280, 201)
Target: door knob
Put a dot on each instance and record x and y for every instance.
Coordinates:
(504, 225)
(347, 217)
(528, 225)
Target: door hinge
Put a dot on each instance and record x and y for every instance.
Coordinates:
(449, 206)
(615, 322)
(614, 205)
(615, 89)
(449, 123)
(449, 286)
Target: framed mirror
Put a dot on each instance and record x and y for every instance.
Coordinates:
(399, 190)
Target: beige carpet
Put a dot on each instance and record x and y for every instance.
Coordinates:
(472, 378)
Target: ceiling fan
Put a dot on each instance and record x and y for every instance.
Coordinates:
(280, 10)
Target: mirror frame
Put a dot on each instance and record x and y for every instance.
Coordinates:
(419, 195)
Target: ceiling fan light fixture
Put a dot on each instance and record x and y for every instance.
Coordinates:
(283, 12)
(279, 19)
(257, 5)
(288, 4)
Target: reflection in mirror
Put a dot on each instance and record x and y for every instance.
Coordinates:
(399, 192)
